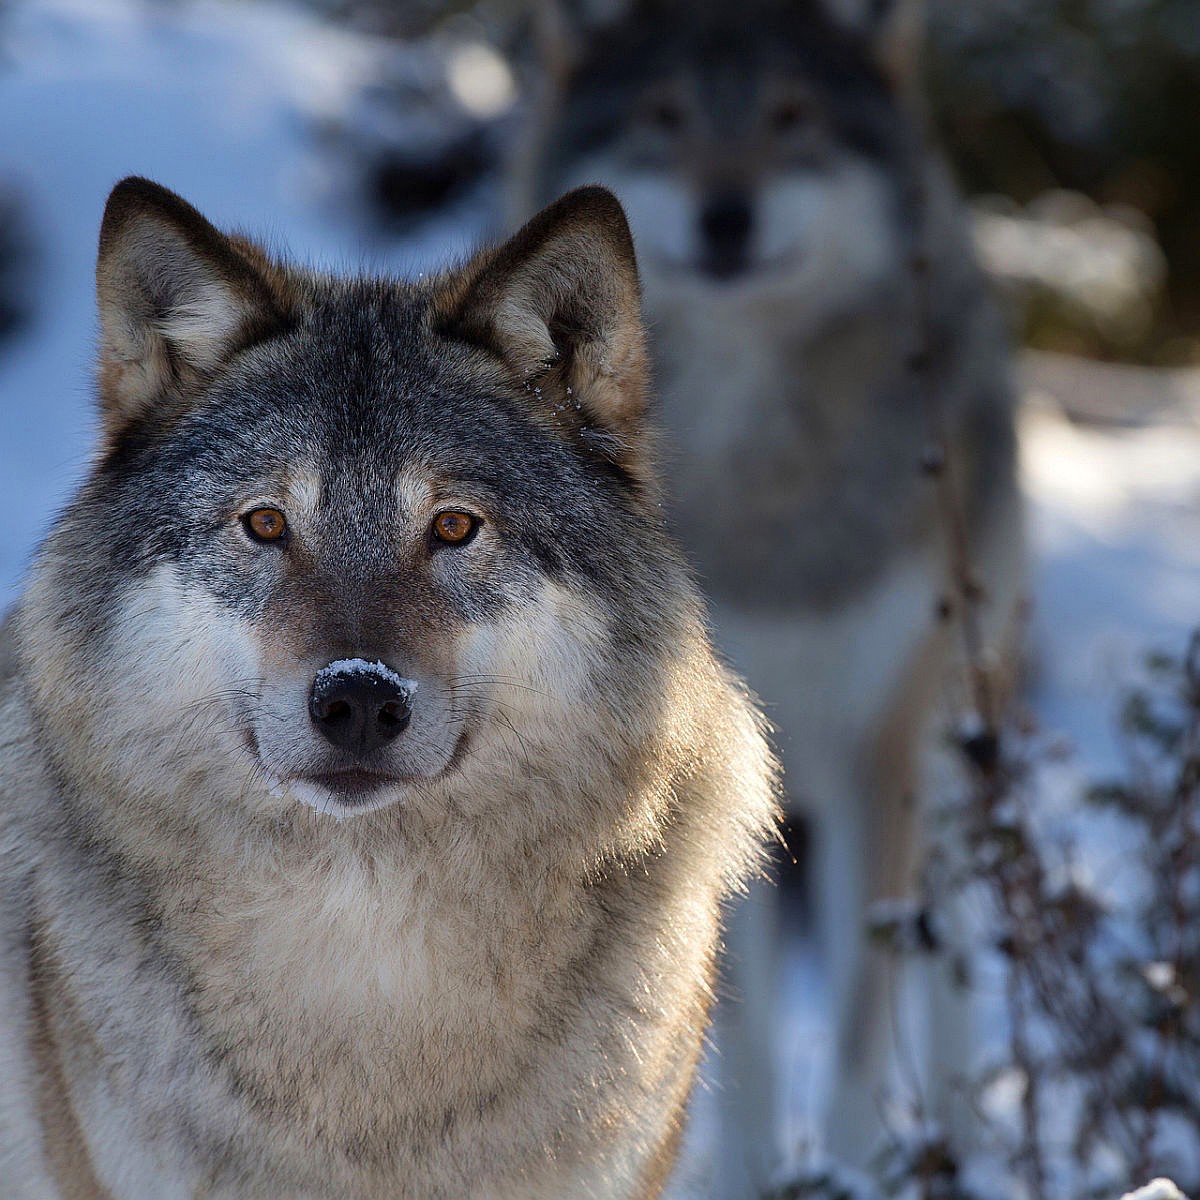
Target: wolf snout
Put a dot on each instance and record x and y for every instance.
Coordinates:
(359, 705)
(726, 222)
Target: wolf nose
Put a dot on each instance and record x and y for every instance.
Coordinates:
(360, 706)
(725, 224)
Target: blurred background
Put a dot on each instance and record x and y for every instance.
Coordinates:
(375, 133)
(366, 134)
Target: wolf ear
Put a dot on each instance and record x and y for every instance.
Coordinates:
(895, 31)
(177, 299)
(560, 305)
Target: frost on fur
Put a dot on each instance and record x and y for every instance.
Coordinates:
(360, 666)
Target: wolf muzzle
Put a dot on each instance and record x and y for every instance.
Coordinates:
(359, 706)
(726, 222)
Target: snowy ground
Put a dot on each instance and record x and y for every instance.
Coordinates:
(1114, 513)
(218, 102)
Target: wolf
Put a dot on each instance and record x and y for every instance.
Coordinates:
(368, 785)
(802, 243)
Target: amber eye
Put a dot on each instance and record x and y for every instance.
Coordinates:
(454, 527)
(265, 524)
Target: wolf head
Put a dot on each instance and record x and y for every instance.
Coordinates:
(349, 539)
(754, 145)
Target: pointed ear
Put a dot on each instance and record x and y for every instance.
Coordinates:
(895, 30)
(560, 306)
(177, 300)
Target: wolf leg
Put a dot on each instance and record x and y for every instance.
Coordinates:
(870, 855)
(1002, 563)
(951, 1038)
(748, 1152)
(861, 981)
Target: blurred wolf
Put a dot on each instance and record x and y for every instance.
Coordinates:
(368, 786)
(772, 161)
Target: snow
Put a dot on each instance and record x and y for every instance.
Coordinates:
(220, 101)
(1116, 532)
(361, 666)
(1156, 1189)
(1160, 975)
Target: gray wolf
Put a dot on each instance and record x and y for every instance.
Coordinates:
(773, 162)
(368, 786)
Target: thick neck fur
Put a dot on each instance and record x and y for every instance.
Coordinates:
(354, 983)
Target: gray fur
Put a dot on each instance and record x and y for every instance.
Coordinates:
(492, 980)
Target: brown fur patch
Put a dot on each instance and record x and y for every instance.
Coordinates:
(658, 1170)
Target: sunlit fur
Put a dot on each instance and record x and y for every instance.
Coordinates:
(220, 978)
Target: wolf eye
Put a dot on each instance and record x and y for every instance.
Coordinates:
(265, 524)
(665, 115)
(788, 115)
(454, 527)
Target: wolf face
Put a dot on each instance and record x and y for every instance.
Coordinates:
(754, 149)
(347, 536)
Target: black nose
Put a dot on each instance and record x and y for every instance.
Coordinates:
(360, 706)
(726, 222)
